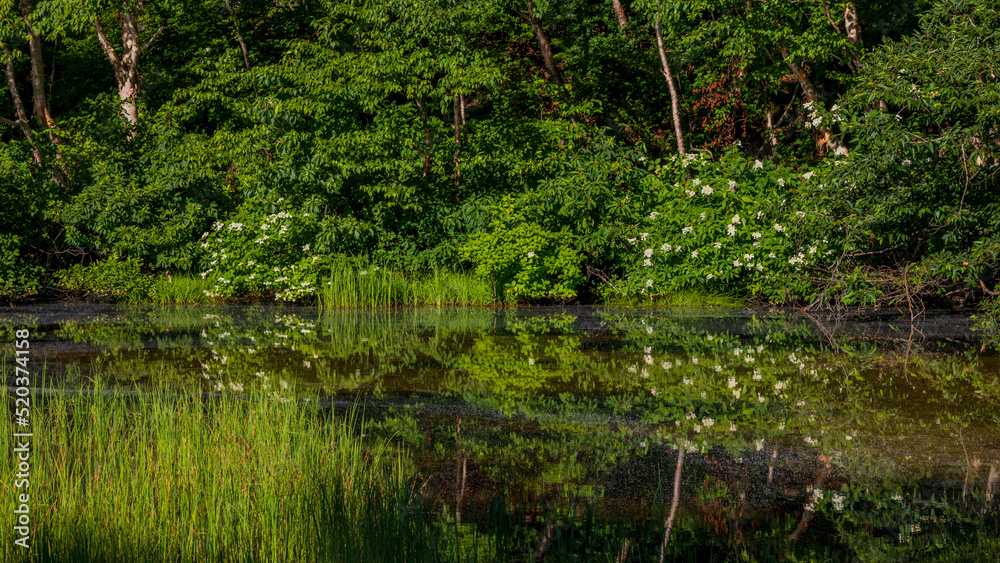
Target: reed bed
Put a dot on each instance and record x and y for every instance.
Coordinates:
(355, 285)
(154, 476)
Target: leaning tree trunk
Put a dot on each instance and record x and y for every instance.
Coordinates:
(825, 142)
(674, 102)
(616, 5)
(21, 115)
(545, 46)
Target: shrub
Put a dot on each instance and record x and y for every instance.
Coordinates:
(734, 226)
(113, 277)
(522, 259)
(18, 278)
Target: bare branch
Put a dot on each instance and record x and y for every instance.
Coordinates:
(151, 39)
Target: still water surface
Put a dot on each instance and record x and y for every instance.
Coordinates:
(844, 438)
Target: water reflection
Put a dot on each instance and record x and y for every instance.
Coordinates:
(798, 433)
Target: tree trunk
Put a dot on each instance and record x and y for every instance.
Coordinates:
(669, 524)
(853, 28)
(40, 101)
(825, 142)
(126, 66)
(239, 36)
(546, 49)
(21, 121)
(674, 102)
(616, 5)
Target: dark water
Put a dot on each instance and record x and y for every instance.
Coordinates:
(802, 437)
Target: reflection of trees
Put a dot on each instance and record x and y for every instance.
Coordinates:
(568, 407)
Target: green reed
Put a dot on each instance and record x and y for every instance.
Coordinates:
(354, 284)
(155, 476)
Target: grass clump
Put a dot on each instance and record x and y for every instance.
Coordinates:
(356, 285)
(178, 290)
(453, 288)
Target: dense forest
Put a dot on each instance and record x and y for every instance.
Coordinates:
(813, 152)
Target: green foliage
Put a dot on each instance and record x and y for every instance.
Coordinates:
(18, 277)
(733, 226)
(114, 277)
(921, 182)
(522, 259)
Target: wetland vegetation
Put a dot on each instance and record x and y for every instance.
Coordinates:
(494, 435)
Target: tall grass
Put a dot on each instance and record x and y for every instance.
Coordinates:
(133, 477)
(451, 288)
(353, 284)
(171, 290)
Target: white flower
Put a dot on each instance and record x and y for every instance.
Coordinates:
(709, 276)
(647, 262)
(643, 236)
(906, 162)
(808, 175)
(653, 215)
(718, 244)
(718, 368)
(689, 193)
(736, 219)
(647, 253)
(778, 227)
(707, 190)
(781, 182)
(305, 248)
(732, 382)
(531, 255)
(666, 248)
(703, 215)
(631, 241)
(649, 283)
(694, 254)
(758, 165)
(756, 235)
(732, 184)
(687, 230)
(730, 230)
(706, 422)
(696, 181)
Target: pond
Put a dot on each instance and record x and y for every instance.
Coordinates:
(793, 436)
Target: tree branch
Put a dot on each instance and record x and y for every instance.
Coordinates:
(108, 49)
(151, 39)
